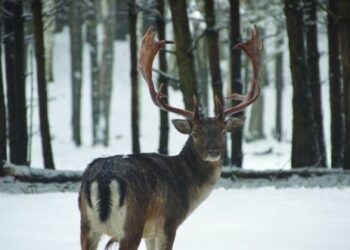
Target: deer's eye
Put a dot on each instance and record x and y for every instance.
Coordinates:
(194, 135)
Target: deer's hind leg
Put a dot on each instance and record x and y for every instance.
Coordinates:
(151, 244)
(89, 239)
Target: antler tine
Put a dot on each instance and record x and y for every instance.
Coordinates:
(253, 48)
(149, 50)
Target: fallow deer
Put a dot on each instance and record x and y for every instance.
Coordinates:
(149, 195)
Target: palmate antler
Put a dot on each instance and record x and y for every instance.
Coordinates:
(150, 48)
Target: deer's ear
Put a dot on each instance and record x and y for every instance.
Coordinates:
(183, 126)
(234, 123)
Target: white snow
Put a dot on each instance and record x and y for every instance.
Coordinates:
(243, 219)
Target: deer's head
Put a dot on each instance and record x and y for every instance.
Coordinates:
(208, 134)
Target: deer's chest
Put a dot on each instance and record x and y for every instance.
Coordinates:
(199, 193)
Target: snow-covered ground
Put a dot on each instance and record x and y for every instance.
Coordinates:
(243, 219)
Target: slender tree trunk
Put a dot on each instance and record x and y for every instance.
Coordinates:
(3, 125)
(62, 16)
(279, 83)
(344, 38)
(314, 76)
(201, 57)
(42, 92)
(105, 71)
(236, 81)
(305, 152)
(135, 115)
(256, 122)
(212, 35)
(75, 27)
(184, 55)
(91, 29)
(121, 25)
(163, 66)
(335, 88)
(15, 78)
(49, 38)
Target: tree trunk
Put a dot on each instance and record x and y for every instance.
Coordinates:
(314, 76)
(105, 71)
(279, 83)
(91, 30)
(201, 59)
(62, 16)
(163, 66)
(42, 93)
(344, 38)
(135, 115)
(15, 78)
(122, 24)
(335, 89)
(305, 152)
(75, 28)
(236, 81)
(184, 55)
(212, 35)
(49, 38)
(3, 124)
(256, 122)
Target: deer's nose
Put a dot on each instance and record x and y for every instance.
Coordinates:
(213, 151)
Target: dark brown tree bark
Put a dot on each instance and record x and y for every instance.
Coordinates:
(184, 55)
(163, 66)
(121, 25)
(15, 78)
(105, 70)
(91, 35)
(76, 46)
(135, 106)
(314, 76)
(212, 35)
(344, 38)
(335, 88)
(305, 152)
(3, 124)
(279, 82)
(236, 80)
(42, 92)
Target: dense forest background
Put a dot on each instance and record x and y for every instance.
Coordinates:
(202, 63)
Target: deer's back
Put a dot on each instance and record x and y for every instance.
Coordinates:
(121, 191)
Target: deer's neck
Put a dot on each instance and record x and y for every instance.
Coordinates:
(203, 175)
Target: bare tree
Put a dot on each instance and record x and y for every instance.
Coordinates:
(3, 124)
(163, 67)
(91, 37)
(15, 79)
(305, 152)
(75, 28)
(344, 38)
(135, 106)
(121, 25)
(105, 70)
(335, 89)
(184, 55)
(236, 81)
(279, 83)
(36, 6)
(212, 35)
(314, 76)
